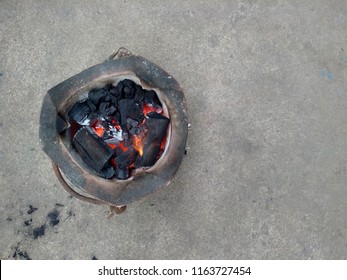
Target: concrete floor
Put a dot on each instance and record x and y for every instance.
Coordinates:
(266, 172)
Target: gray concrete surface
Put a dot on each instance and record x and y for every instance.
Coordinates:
(266, 172)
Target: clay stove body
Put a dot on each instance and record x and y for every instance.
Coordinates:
(76, 177)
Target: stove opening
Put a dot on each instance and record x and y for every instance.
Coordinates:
(118, 129)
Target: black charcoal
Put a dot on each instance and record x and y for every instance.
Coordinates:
(107, 172)
(97, 95)
(128, 83)
(157, 126)
(127, 142)
(117, 91)
(129, 109)
(102, 107)
(139, 94)
(126, 158)
(110, 110)
(151, 98)
(134, 131)
(129, 92)
(118, 151)
(122, 173)
(93, 151)
(91, 105)
(132, 122)
(80, 113)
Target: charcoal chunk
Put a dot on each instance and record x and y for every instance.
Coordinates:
(132, 122)
(97, 95)
(102, 107)
(157, 125)
(122, 173)
(91, 105)
(92, 149)
(128, 83)
(127, 142)
(113, 100)
(118, 151)
(116, 116)
(129, 109)
(139, 94)
(117, 91)
(129, 93)
(80, 112)
(126, 158)
(135, 131)
(151, 98)
(107, 98)
(107, 172)
(110, 110)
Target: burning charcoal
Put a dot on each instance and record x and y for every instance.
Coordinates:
(126, 158)
(151, 98)
(127, 142)
(107, 172)
(104, 123)
(107, 135)
(61, 124)
(122, 173)
(80, 113)
(118, 134)
(92, 149)
(96, 95)
(157, 126)
(129, 109)
(118, 151)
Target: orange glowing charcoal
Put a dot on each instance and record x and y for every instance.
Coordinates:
(99, 130)
(112, 146)
(138, 145)
(121, 145)
(147, 109)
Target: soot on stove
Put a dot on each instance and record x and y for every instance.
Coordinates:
(118, 128)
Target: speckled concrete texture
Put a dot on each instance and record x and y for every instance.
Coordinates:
(265, 176)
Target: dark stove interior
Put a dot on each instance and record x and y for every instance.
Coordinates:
(118, 129)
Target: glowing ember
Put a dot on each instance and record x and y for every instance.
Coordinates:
(148, 108)
(99, 130)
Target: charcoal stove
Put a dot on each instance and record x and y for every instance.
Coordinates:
(77, 177)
